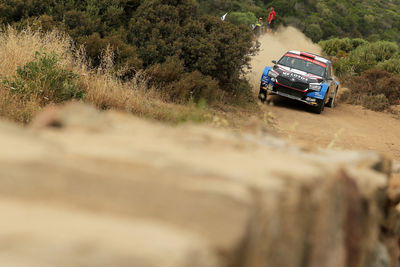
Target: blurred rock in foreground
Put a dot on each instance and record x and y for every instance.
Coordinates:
(83, 188)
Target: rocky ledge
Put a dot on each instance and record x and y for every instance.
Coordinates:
(83, 188)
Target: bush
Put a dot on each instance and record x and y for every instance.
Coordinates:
(194, 86)
(392, 65)
(242, 18)
(45, 79)
(167, 72)
(314, 32)
(165, 28)
(180, 86)
(125, 55)
(383, 50)
(375, 102)
(340, 47)
(352, 56)
(373, 89)
(361, 59)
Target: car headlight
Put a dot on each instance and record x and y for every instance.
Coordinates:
(315, 86)
(272, 74)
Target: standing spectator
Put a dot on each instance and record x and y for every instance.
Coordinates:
(261, 23)
(258, 27)
(271, 19)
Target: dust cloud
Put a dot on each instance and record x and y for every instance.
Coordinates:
(274, 45)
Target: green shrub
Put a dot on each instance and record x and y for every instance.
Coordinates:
(125, 55)
(361, 59)
(383, 50)
(375, 102)
(353, 56)
(241, 94)
(314, 32)
(329, 29)
(242, 18)
(392, 65)
(180, 86)
(373, 89)
(164, 73)
(194, 86)
(44, 78)
(340, 47)
(343, 67)
(165, 28)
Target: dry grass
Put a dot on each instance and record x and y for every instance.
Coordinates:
(17, 49)
(103, 88)
(11, 107)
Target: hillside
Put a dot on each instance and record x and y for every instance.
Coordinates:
(319, 20)
(173, 41)
(190, 55)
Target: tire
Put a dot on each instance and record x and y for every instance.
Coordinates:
(320, 107)
(332, 101)
(263, 95)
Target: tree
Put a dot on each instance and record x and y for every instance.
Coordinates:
(164, 28)
(314, 32)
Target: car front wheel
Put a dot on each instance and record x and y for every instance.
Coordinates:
(262, 95)
(320, 107)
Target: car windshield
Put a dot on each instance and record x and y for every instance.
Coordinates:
(303, 65)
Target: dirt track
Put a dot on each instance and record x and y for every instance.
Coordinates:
(344, 127)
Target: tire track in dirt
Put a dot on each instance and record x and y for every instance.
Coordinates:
(345, 127)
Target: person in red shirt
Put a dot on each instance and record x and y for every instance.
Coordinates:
(271, 19)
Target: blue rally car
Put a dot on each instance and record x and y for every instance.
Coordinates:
(301, 76)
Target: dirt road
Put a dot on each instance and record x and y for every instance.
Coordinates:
(344, 127)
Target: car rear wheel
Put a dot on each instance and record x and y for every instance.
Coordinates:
(332, 101)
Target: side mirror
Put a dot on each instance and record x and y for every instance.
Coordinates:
(274, 61)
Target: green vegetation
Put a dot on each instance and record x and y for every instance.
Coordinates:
(361, 37)
(46, 80)
(373, 89)
(369, 69)
(189, 54)
(354, 56)
(320, 20)
(149, 35)
(30, 80)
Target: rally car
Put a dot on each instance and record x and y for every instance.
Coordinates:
(301, 76)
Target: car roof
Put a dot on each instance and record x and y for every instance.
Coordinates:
(311, 55)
